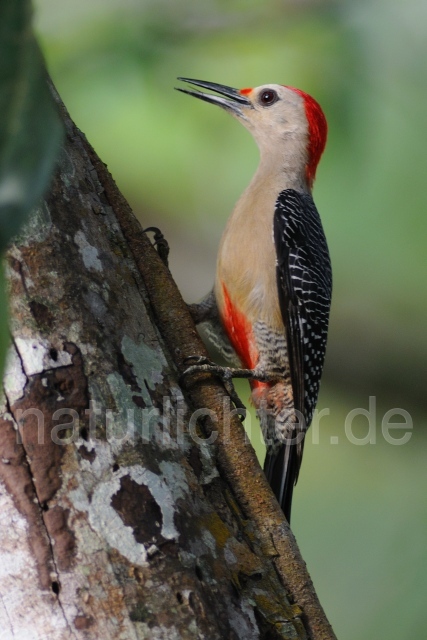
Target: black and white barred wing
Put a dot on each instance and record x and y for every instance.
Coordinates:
(304, 280)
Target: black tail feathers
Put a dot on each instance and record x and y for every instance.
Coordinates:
(281, 468)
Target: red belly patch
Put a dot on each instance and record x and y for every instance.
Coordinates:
(240, 333)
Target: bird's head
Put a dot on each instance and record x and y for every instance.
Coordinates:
(277, 116)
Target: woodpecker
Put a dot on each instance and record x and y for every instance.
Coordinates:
(273, 284)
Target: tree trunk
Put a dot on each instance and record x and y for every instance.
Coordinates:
(129, 506)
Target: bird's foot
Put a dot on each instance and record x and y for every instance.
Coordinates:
(161, 243)
(204, 365)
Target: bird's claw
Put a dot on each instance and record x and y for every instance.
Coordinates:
(198, 360)
(204, 365)
(161, 243)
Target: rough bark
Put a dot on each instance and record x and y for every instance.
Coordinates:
(129, 507)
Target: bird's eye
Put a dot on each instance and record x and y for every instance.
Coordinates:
(268, 97)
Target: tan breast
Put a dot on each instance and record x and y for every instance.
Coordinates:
(247, 258)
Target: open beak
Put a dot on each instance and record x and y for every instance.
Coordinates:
(234, 104)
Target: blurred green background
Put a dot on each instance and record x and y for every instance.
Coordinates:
(359, 512)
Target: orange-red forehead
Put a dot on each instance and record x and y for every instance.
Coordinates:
(245, 92)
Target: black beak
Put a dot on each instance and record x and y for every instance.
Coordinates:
(235, 104)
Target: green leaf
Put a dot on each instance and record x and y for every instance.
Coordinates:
(30, 128)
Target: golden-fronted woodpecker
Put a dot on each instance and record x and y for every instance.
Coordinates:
(273, 282)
